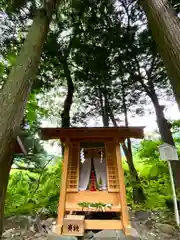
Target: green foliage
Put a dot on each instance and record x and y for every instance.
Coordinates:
(149, 150)
(176, 128)
(97, 205)
(156, 189)
(148, 154)
(158, 169)
(34, 112)
(28, 192)
(15, 5)
(154, 176)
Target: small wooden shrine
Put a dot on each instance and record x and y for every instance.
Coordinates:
(92, 178)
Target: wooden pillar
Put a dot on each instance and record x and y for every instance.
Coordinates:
(63, 190)
(124, 210)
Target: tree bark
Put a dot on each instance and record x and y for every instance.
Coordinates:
(5, 168)
(63, 58)
(65, 116)
(106, 114)
(104, 107)
(14, 95)
(165, 26)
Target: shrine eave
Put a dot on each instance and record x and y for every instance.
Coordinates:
(96, 133)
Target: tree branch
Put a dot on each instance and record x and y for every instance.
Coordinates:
(42, 171)
(25, 168)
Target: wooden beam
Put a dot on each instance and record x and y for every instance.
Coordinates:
(111, 166)
(19, 147)
(96, 196)
(124, 209)
(103, 224)
(62, 200)
(78, 163)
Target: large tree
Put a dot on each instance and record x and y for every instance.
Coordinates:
(98, 73)
(165, 26)
(14, 94)
(140, 62)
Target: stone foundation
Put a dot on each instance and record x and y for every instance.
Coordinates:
(101, 235)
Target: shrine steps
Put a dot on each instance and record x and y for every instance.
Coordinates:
(103, 224)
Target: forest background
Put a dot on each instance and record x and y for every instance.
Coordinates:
(100, 65)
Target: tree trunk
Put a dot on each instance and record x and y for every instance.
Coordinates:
(104, 110)
(4, 177)
(165, 27)
(14, 95)
(138, 194)
(166, 135)
(65, 116)
(163, 125)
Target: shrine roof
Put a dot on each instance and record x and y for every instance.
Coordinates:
(91, 133)
(19, 147)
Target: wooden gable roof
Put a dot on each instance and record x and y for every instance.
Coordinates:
(92, 133)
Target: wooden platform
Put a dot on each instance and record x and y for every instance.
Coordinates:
(72, 200)
(74, 207)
